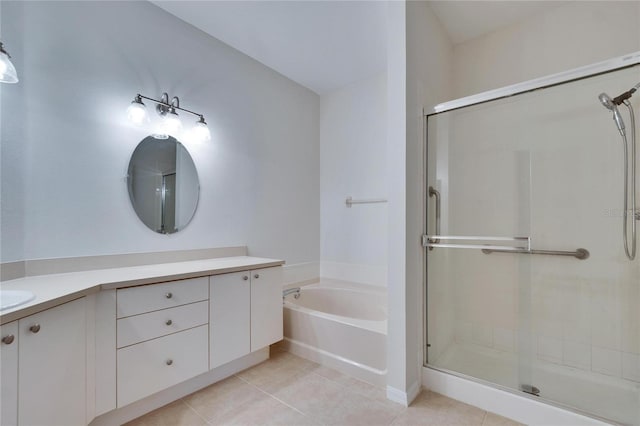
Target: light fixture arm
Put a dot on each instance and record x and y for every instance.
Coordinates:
(4, 51)
(164, 106)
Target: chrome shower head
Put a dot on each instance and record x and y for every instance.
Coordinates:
(606, 101)
(609, 104)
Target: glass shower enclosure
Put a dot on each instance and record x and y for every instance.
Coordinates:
(528, 285)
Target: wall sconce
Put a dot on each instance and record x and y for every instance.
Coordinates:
(170, 120)
(7, 70)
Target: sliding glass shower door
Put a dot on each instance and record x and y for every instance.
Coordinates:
(528, 285)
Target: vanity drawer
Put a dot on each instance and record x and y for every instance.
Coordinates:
(155, 324)
(153, 297)
(152, 366)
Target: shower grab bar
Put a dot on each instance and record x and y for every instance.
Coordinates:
(435, 193)
(350, 201)
(433, 241)
(580, 254)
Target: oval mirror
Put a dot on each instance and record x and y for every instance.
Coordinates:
(163, 184)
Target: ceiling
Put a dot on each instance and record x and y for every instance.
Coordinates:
(466, 20)
(322, 45)
(325, 45)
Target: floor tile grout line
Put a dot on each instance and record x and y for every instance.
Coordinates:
(347, 386)
(194, 410)
(278, 399)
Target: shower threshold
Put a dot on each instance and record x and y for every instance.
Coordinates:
(581, 391)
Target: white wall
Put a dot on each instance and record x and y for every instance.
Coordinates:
(353, 241)
(12, 165)
(575, 34)
(66, 143)
(417, 40)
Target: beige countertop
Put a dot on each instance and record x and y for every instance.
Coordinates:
(55, 289)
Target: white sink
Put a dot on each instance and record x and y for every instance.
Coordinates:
(13, 298)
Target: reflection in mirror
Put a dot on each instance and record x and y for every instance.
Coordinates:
(163, 184)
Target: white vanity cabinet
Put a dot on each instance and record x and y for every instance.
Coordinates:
(52, 377)
(132, 341)
(266, 307)
(246, 313)
(230, 317)
(9, 374)
(162, 336)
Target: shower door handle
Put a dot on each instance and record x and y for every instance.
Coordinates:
(435, 193)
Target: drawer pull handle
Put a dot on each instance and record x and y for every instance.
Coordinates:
(169, 322)
(256, 276)
(7, 340)
(245, 277)
(168, 295)
(35, 328)
(169, 361)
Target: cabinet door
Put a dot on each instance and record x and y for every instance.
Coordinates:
(9, 374)
(52, 366)
(266, 307)
(229, 319)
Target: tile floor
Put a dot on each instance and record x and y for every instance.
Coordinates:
(289, 390)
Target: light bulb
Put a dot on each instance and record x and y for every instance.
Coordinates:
(200, 132)
(7, 70)
(137, 112)
(171, 123)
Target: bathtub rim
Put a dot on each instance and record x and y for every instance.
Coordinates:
(371, 325)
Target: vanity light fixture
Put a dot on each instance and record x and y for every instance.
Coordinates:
(7, 70)
(171, 123)
(137, 111)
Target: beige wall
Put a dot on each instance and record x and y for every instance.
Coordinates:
(575, 34)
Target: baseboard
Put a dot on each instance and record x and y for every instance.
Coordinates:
(519, 408)
(404, 398)
(364, 274)
(344, 365)
(160, 399)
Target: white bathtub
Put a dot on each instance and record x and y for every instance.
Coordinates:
(341, 325)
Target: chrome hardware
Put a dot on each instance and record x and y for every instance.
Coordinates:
(580, 253)
(256, 276)
(350, 201)
(433, 241)
(435, 193)
(530, 390)
(169, 361)
(35, 328)
(168, 295)
(523, 247)
(244, 277)
(7, 340)
(169, 322)
(295, 291)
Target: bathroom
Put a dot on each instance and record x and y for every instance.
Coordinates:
(294, 133)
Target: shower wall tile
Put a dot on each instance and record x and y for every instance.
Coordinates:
(606, 315)
(504, 339)
(577, 311)
(631, 314)
(577, 354)
(482, 335)
(464, 332)
(606, 361)
(550, 349)
(631, 366)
